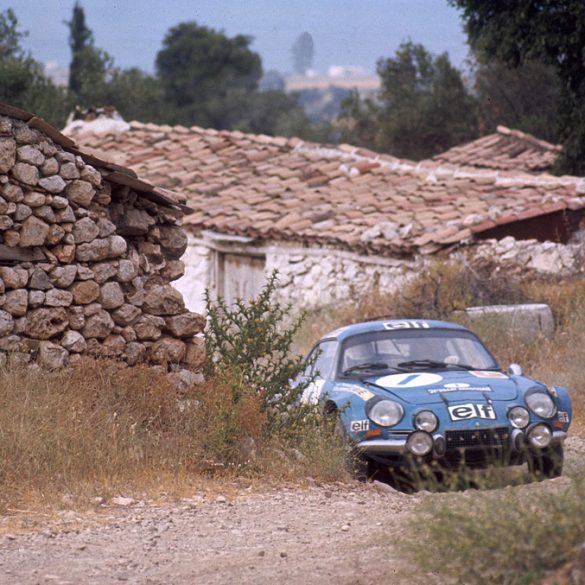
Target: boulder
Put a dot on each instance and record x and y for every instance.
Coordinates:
(133, 222)
(51, 356)
(173, 241)
(111, 295)
(134, 353)
(58, 297)
(85, 230)
(50, 167)
(149, 327)
(196, 354)
(80, 192)
(98, 326)
(167, 350)
(7, 154)
(46, 323)
(63, 276)
(30, 154)
(85, 292)
(34, 199)
(16, 302)
(73, 341)
(113, 345)
(39, 280)
(53, 184)
(33, 232)
(14, 277)
(126, 314)
(163, 300)
(36, 298)
(6, 323)
(185, 324)
(25, 173)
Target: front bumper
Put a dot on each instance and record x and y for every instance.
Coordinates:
(397, 446)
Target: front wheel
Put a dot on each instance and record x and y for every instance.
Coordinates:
(546, 463)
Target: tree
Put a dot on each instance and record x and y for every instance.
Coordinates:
(546, 31)
(207, 76)
(422, 108)
(22, 82)
(89, 66)
(524, 97)
(303, 51)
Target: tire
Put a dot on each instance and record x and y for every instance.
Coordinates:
(546, 463)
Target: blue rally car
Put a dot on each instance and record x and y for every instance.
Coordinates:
(416, 391)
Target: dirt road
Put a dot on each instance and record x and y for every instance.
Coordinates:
(316, 535)
(340, 534)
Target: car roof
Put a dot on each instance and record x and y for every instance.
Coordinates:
(391, 325)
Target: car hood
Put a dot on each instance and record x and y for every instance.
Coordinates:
(452, 386)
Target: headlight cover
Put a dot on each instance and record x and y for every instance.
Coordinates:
(426, 421)
(386, 413)
(519, 417)
(541, 404)
(419, 443)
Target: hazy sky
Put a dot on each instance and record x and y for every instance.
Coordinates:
(345, 32)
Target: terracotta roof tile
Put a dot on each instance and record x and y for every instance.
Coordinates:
(289, 189)
(504, 150)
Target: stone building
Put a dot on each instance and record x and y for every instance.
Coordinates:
(336, 220)
(87, 252)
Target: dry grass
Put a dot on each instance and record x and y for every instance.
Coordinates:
(102, 429)
(500, 537)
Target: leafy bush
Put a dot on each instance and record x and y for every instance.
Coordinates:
(252, 341)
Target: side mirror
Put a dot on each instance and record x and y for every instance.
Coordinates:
(515, 370)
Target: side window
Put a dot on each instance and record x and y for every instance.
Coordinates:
(325, 354)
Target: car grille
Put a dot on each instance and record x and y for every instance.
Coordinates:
(498, 437)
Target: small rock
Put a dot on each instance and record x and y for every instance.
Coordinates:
(57, 297)
(25, 173)
(33, 232)
(52, 356)
(122, 501)
(80, 192)
(85, 292)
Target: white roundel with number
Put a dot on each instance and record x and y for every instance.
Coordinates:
(408, 380)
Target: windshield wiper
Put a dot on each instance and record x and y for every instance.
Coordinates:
(366, 366)
(432, 364)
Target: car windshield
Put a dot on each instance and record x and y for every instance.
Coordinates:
(406, 350)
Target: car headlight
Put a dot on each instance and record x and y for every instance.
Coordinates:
(386, 413)
(426, 421)
(539, 436)
(541, 404)
(419, 443)
(519, 417)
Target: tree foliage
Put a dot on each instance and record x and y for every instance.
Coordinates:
(547, 31)
(22, 82)
(422, 108)
(303, 52)
(207, 76)
(525, 97)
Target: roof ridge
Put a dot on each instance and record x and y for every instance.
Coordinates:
(507, 178)
(530, 138)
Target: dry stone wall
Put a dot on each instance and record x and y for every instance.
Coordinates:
(94, 262)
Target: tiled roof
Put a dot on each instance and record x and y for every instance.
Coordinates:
(110, 171)
(506, 150)
(285, 189)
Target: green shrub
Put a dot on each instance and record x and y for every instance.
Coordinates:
(503, 537)
(252, 341)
